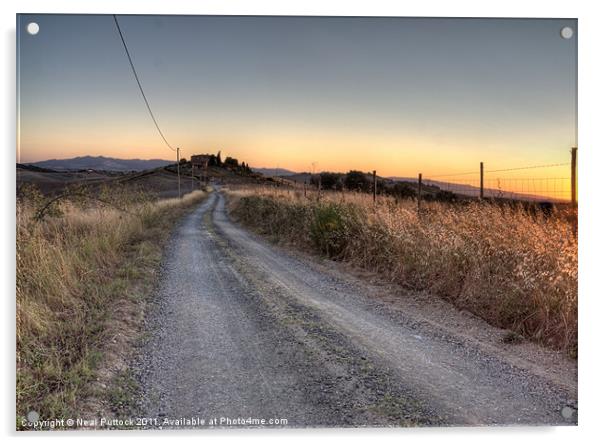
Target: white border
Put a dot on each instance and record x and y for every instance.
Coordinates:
(589, 162)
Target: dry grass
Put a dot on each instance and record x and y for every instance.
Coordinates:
(515, 268)
(70, 268)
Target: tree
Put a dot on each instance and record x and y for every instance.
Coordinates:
(403, 190)
(446, 196)
(231, 163)
(219, 158)
(357, 181)
(329, 181)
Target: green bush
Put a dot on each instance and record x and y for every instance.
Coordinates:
(328, 229)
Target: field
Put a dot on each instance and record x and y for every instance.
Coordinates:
(515, 267)
(78, 262)
(88, 259)
(161, 181)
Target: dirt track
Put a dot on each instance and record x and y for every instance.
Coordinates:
(240, 328)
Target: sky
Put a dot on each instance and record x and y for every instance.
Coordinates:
(396, 95)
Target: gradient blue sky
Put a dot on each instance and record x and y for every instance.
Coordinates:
(399, 95)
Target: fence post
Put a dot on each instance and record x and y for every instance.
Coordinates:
(574, 177)
(374, 186)
(481, 194)
(305, 189)
(178, 168)
(574, 188)
(419, 190)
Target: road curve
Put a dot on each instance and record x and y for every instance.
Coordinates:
(241, 329)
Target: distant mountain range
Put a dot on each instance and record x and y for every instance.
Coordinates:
(402, 178)
(273, 171)
(101, 163)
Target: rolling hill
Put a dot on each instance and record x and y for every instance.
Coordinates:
(273, 171)
(101, 163)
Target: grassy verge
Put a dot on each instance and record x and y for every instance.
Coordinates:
(73, 268)
(515, 268)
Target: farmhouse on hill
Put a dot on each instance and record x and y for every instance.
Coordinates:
(201, 161)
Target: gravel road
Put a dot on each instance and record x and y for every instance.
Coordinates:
(242, 329)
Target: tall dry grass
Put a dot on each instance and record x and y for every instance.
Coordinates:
(513, 267)
(71, 267)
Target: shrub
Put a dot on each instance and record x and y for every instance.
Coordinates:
(329, 229)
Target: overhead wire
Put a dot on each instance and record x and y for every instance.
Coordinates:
(148, 107)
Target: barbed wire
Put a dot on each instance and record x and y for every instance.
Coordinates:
(529, 167)
(539, 189)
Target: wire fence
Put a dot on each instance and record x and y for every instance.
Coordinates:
(549, 182)
(503, 184)
(554, 183)
(556, 189)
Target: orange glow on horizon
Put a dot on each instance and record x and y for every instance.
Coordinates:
(390, 153)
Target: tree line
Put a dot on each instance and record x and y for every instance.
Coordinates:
(358, 181)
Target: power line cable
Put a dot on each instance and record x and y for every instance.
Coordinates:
(140, 85)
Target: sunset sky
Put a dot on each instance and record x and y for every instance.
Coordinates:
(392, 94)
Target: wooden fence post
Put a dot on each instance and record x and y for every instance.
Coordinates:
(574, 177)
(419, 190)
(178, 165)
(574, 188)
(374, 186)
(481, 190)
(305, 189)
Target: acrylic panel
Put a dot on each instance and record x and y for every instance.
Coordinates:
(295, 222)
